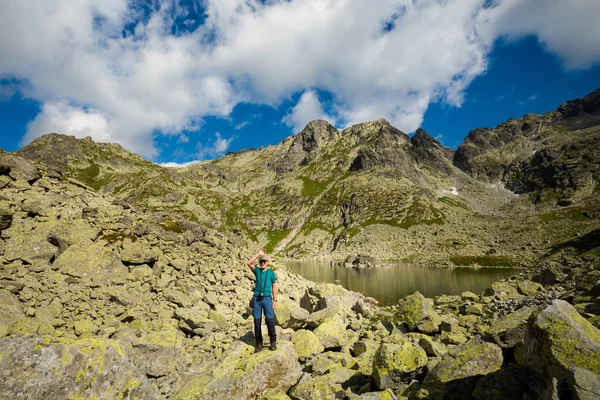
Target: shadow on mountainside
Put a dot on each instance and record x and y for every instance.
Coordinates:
(580, 245)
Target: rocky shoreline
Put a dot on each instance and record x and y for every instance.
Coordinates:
(101, 300)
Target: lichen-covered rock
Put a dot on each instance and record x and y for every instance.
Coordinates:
(306, 344)
(239, 373)
(316, 388)
(511, 329)
(290, 314)
(503, 290)
(18, 168)
(527, 288)
(395, 363)
(138, 253)
(473, 358)
(29, 243)
(418, 313)
(383, 395)
(69, 369)
(332, 332)
(584, 384)
(331, 295)
(6, 215)
(558, 338)
(91, 261)
(10, 312)
(318, 317)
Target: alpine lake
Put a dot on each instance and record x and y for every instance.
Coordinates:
(391, 283)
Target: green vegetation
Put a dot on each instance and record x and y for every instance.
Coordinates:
(485, 261)
(313, 188)
(275, 236)
(455, 202)
(312, 224)
(118, 237)
(571, 213)
(171, 225)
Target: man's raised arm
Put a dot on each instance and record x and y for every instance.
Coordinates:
(251, 261)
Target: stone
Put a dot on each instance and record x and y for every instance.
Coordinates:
(332, 332)
(306, 344)
(470, 296)
(473, 358)
(69, 369)
(138, 252)
(418, 313)
(318, 317)
(177, 297)
(509, 383)
(29, 245)
(289, 314)
(474, 309)
(383, 395)
(10, 312)
(239, 373)
(528, 288)
(6, 215)
(211, 299)
(557, 339)
(274, 395)
(319, 387)
(584, 384)
(503, 291)
(395, 363)
(84, 328)
(510, 330)
(18, 168)
(92, 261)
(140, 272)
(159, 353)
(449, 323)
(453, 338)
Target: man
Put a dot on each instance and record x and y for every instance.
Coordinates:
(265, 298)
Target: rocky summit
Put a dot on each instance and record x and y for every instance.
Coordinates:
(121, 279)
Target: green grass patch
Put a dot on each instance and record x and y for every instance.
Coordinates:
(312, 188)
(171, 225)
(275, 236)
(571, 213)
(593, 252)
(118, 237)
(311, 225)
(485, 261)
(455, 202)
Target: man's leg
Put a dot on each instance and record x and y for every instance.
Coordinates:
(270, 320)
(257, 315)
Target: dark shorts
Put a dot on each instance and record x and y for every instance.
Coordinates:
(265, 304)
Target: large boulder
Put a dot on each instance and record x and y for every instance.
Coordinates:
(397, 363)
(511, 329)
(306, 344)
(29, 242)
(10, 312)
(315, 388)
(332, 332)
(584, 385)
(329, 295)
(418, 313)
(6, 215)
(136, 253)
(290, 314)
(241, 374)
(69, 369)
(472, 359)
(503, 290)
(18, 168)
(511, 383)
(91, 261)
(557, 339)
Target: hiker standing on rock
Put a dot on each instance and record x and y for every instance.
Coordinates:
(265, 298)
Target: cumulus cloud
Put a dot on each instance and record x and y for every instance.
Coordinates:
(307, 109)
(178, 165)
(569, 29)
(389, 59)
(216, 147)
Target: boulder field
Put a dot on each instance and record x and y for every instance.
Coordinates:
(101, 300)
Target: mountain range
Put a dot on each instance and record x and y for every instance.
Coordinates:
(370, 189)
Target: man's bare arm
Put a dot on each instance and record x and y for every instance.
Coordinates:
(251, 261)
(274, 287)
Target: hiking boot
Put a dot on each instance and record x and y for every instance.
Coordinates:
(273, 346)
(258, 348)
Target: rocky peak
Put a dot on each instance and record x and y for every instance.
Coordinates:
(305, 145)
(429, 151)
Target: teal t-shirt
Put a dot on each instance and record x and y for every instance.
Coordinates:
(264, 281)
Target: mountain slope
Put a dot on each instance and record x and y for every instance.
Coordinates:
(370, 188)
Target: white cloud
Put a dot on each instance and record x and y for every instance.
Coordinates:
(94, 81)
(307, 109)
(569, 29)
(178, 165)
(528, 100)
(216, 148)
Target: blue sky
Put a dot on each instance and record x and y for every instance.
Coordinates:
(179, 81)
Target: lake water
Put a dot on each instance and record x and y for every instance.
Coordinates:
(390, 284)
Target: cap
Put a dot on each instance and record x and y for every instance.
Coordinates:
(264, 258)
